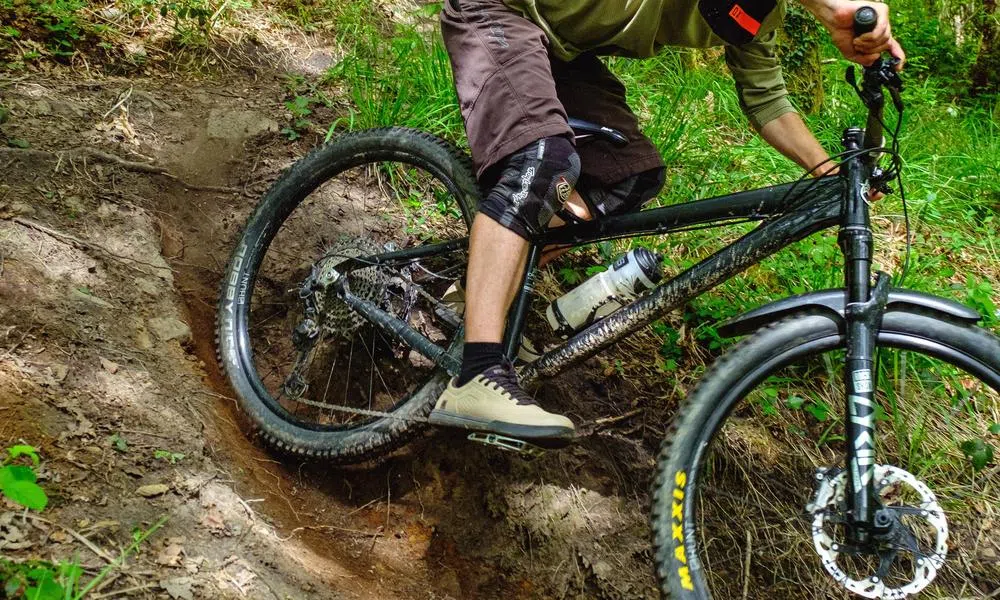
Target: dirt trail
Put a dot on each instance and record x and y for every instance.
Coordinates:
(108, 278)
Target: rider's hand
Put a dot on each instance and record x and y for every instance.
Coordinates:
(838, 17)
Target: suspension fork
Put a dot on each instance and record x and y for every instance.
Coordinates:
(863, 316)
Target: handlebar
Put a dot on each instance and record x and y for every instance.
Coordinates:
(865, 20)
(881, 73)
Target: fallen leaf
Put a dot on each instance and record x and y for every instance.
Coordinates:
(243, 579)
(11, 536)
(171, 556)
(109, 366)
(59, 537)
(179, 588)
(155, 489)
(134, 472)
(193, 565)
(214, 521)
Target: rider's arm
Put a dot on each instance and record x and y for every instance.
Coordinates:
(764, 99)
(789, 135)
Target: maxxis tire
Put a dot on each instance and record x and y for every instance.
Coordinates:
(725, 384)
(376, 438)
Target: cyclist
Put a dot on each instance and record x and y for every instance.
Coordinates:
(520, 68)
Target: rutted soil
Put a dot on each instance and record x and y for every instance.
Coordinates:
(108, 274)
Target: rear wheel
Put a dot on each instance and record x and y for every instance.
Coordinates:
(364, 194)
(739, 510)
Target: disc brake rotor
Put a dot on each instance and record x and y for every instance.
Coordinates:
(828, 509)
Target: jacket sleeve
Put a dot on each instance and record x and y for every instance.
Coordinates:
(759, 83)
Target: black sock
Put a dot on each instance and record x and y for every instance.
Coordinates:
(477, 357)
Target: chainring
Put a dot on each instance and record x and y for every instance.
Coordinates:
(829, 504)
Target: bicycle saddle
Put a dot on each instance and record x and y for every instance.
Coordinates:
(585, 128)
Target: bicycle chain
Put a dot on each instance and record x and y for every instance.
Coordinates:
(363, 411)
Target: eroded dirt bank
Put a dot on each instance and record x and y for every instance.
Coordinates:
(108, 276)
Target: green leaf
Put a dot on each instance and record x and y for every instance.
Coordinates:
(978, 452)
(24, 450)
(17, 143)
(795, 402)
(27, 493)
(47, 589)
(119, 443)
(12, 473)
(995, 429)
(818, 409)
(40, 574)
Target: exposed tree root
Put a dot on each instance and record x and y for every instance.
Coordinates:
(128, 165)
(85, 244)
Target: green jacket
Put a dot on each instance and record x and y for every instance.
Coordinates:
(639, 28)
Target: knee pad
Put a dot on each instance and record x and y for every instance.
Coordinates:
(534, 183)
(627, 195)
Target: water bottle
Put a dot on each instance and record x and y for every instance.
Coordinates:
(628, 276)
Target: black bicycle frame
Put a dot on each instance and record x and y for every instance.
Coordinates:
(788, 213)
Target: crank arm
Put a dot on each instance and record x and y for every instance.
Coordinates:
(402, 331)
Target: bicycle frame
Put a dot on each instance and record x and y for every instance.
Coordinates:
(786, 218)
(784, 222)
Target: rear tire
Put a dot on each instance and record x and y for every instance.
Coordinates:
(439, 163)
(697, 451)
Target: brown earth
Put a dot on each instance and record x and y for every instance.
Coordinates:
(108, 278)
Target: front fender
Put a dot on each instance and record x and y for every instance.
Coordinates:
(834, 301)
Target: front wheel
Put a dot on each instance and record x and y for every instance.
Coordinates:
(748, 488)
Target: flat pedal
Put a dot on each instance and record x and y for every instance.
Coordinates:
(509, 444)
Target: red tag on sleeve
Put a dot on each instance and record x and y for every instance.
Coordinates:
(748, 23)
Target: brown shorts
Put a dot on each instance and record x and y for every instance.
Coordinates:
(512, 92)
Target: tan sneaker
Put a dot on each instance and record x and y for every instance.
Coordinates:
(495, 402)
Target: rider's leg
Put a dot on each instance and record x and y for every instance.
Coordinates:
(496, 261)
(534, 183)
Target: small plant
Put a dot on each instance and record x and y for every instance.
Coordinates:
(299, 107)
(38, 580)
(979, 451)
(42, 580)
(168, 456)
(118, 442)
(17, 481)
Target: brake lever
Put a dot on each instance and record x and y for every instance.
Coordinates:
(881, 73)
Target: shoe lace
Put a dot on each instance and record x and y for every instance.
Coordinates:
(504, 379)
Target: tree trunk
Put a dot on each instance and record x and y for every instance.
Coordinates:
(799, 52)
(985, 73)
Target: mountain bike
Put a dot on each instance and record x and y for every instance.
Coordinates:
(337, 334)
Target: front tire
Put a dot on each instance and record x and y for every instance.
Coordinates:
(742, 448)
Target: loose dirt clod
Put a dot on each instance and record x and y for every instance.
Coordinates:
(153, 490)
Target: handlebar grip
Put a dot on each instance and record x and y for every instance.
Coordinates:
(865, 19)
